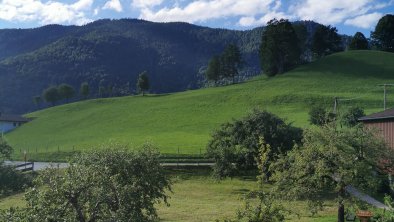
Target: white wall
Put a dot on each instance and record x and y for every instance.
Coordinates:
(6, 126)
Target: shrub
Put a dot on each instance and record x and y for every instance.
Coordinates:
(236, 145)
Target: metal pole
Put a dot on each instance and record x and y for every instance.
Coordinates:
(384, 97)
(385, 94)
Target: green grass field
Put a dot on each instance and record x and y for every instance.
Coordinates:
(185, 120)
(197, 197)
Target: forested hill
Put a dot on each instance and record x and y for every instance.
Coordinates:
(111, 53)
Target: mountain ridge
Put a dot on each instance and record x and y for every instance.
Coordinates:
(113, 53)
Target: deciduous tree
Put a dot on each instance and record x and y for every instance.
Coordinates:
(351, 116)
(235, 145)
(84, 90)
(51, 95)
(105, 185)
(330, 160)
(143, 82)
(66, 91)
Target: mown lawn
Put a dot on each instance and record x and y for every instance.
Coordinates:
(198, 197)
(184, 121)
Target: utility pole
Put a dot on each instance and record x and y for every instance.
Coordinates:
(385, 94)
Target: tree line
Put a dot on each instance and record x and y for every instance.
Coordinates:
(65, 92)
(285, 45)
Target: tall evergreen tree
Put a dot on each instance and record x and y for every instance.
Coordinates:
(213, 71)
(359, 42)
(383, 36)
(231, 61)
(326, 41)
(279, 50)
(303, 41)
(143, 82)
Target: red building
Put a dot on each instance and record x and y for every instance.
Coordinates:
(384, 122)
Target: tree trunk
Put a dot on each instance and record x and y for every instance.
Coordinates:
(341, 206)
(341, 213)
(142, 92)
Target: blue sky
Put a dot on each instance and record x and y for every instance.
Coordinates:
(348, 16)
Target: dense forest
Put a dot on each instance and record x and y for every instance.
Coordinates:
(111, 54)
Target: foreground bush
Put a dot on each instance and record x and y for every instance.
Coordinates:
(236, 145)
(108, 185)
(11, 180)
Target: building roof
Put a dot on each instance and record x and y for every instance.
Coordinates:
(12, 118)
(386, 114)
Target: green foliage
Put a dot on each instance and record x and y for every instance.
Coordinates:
(84, 90)
(51, 95)
(143, 82)
(37, 101)
(105, 185)
(383, 36)
(226, 65)
(114, 50)
(231, 61)
(320, 116)
(236, 145)
(326, 41)
(351, 116)
(303, 40)
(267, 210)
(5, 150)
(11, 180)
(329, 160)
(358, 42)
(214, 69)
(66, 91)
(279, 50)
(187, 119)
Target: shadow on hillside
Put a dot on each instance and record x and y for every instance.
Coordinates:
(352, 67)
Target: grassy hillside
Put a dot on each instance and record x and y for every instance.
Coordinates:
(111, 54)
(185, 120)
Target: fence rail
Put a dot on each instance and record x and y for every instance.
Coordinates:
(24, 167)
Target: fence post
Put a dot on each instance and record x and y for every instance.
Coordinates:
(177, 164)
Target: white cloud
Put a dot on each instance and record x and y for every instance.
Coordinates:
(48, 12)
(367, 21)
(203, 10)
(96, 11)
(332, 11)
(146, 3)
(252, 21)
(82, 5)
(114, 5)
